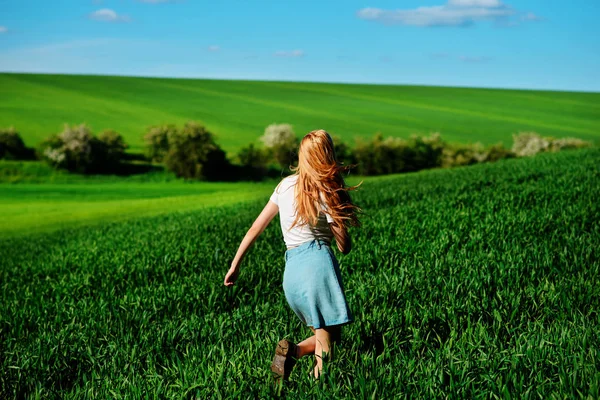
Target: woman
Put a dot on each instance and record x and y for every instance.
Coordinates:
(314, 206)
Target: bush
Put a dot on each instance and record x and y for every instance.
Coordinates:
(380, 156)
(252, 162)
(530, 143)
(281, 144)
(527, 144)
(252, 157)
(115, 146)
(497, 152)
(391, 154)
(377, 156)
(76, 149)
(456, 155)
(156, 141)
(343, 152)
(193, 153)
(366, 159)
(394, 155)
(12, 146)
(568, 143)
(424, 152)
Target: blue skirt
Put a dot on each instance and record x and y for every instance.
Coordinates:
(313, 287)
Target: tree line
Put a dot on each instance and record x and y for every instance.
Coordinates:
(192, 152)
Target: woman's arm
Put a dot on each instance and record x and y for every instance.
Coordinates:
(263, 220)
(342, 239)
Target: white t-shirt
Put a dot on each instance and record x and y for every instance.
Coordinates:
(285, 198)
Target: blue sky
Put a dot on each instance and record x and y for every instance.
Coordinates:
(535, 44)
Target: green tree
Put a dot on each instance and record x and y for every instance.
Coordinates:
(156, 141)
(76, 149)
(12, 146)
(115, 146)
(193, 153)
(281, 143)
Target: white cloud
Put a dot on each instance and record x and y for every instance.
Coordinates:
(474, 59)
(293, 53)
(531, 17)
(463, 58)
(3, 29)
(79, 44)
(453, 13)
(214, 48)
(475, 3)
(108, 15)
(91, 55)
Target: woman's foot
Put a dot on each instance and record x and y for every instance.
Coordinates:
(284, 360)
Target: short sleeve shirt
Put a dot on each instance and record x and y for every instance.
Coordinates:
(284, 197)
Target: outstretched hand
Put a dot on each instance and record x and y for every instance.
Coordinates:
(259, 225)
(231, 276)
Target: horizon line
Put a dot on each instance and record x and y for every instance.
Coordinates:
(300, 81)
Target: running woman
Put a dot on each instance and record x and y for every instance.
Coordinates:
(314, 207)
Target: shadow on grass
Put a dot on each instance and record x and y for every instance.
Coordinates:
(128, 169)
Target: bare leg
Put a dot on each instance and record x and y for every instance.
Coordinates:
(307, 346)
(325, 337)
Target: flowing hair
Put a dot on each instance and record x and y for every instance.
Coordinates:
(320, 183)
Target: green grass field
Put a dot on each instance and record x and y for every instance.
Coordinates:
(44, 200)
(238, 111)
(474, 282)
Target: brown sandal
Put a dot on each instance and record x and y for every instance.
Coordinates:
(284, 360)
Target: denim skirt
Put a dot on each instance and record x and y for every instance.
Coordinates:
(313, 287)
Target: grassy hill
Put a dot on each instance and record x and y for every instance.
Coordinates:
(472, 282)
(238, 111)
(35, 198)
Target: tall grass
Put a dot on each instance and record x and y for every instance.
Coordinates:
(475, 282)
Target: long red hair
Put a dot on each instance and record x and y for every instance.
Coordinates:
(320, 181)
